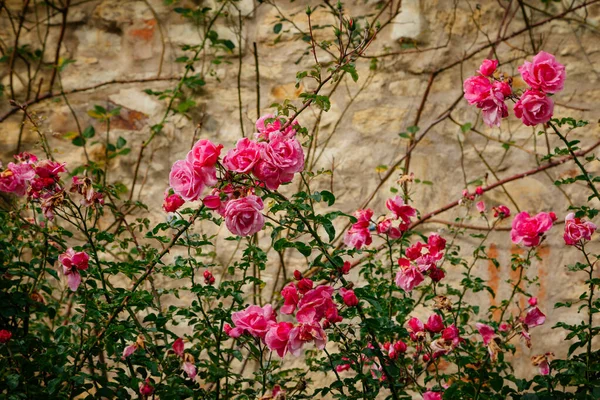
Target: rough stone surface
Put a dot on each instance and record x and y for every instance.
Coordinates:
(140, 40)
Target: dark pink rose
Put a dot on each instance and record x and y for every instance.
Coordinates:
(243, 158)
(177, 347)
(476, 89)
(172, 202)
(243, 216)
(544, 73)
(534, 317)
(534, 107)
(435, 323)
(432, 395)
(502, 87)
(486, 332)
(212, 201)
(349, 297)
(399, 209)
(488, 67)
(316, 304)
(290, 297)
(529, 230)
(501, 212)
(49, 169)
(185, 181)
(577, 230)
(254, 320)
(146, 388)
(72, 263)
(436, 244)
(532, 301)
(278, 336)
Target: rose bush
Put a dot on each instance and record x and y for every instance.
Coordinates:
(381, 310)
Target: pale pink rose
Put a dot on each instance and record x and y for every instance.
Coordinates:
(190, 369)
(476, 89)
(243, 158)
(305, 333)
(544, 73)
(488, 67)
(529, 230)
(172, 202)
(285, 154)
(72, 263)
(85, 187)
(278, 336)
(204, 153)
(15, 178)
(400, 210)
(534, 317)
(129, 350)
(243, 216)
(349, 297)
(493, 108)
(290, 297)
(185, 181)
(577, 230)
(408, 277)
(432, 396)
(544, 367)
(534, 107)
(271, 175)
(480, 206)
(486, 332)
(357, 237)
(435, 323)
(254, 320)
(316, 304)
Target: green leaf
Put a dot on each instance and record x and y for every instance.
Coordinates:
(78, 141)
(277, 28)
(88, 132)
(121, 142)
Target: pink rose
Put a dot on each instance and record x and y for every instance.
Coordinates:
(185, 181)
(349, 297)
(190, 369)
(534, 317)
(357, 237)
(72, 263)
(488, 67)
(204, 153)
(486, 332)
(254, 320)
(278, 336)
(265, 128)
(432, 395)
(493, 108)
(172, 202)
(435, 323)
(304, 333)
(243, 158)
(15, 178)
(399, 209)
(534, 108)
(476, 89)
(243, 216)
(408, 277)
(212, 201)
(436, 244)
(290, 297)
(271, 175)
(544, 73)
(285, 154)
(315, 305)
(577, 230)
(528, 229)
(129, 350)
(480, 207)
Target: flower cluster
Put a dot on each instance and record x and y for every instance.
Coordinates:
(441, 339)
(421, 258)
(273, 159)
(544, 75)
(314, 310)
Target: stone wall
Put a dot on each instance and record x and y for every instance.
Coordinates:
(117, 44)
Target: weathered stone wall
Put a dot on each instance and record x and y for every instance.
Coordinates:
(139, 40)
